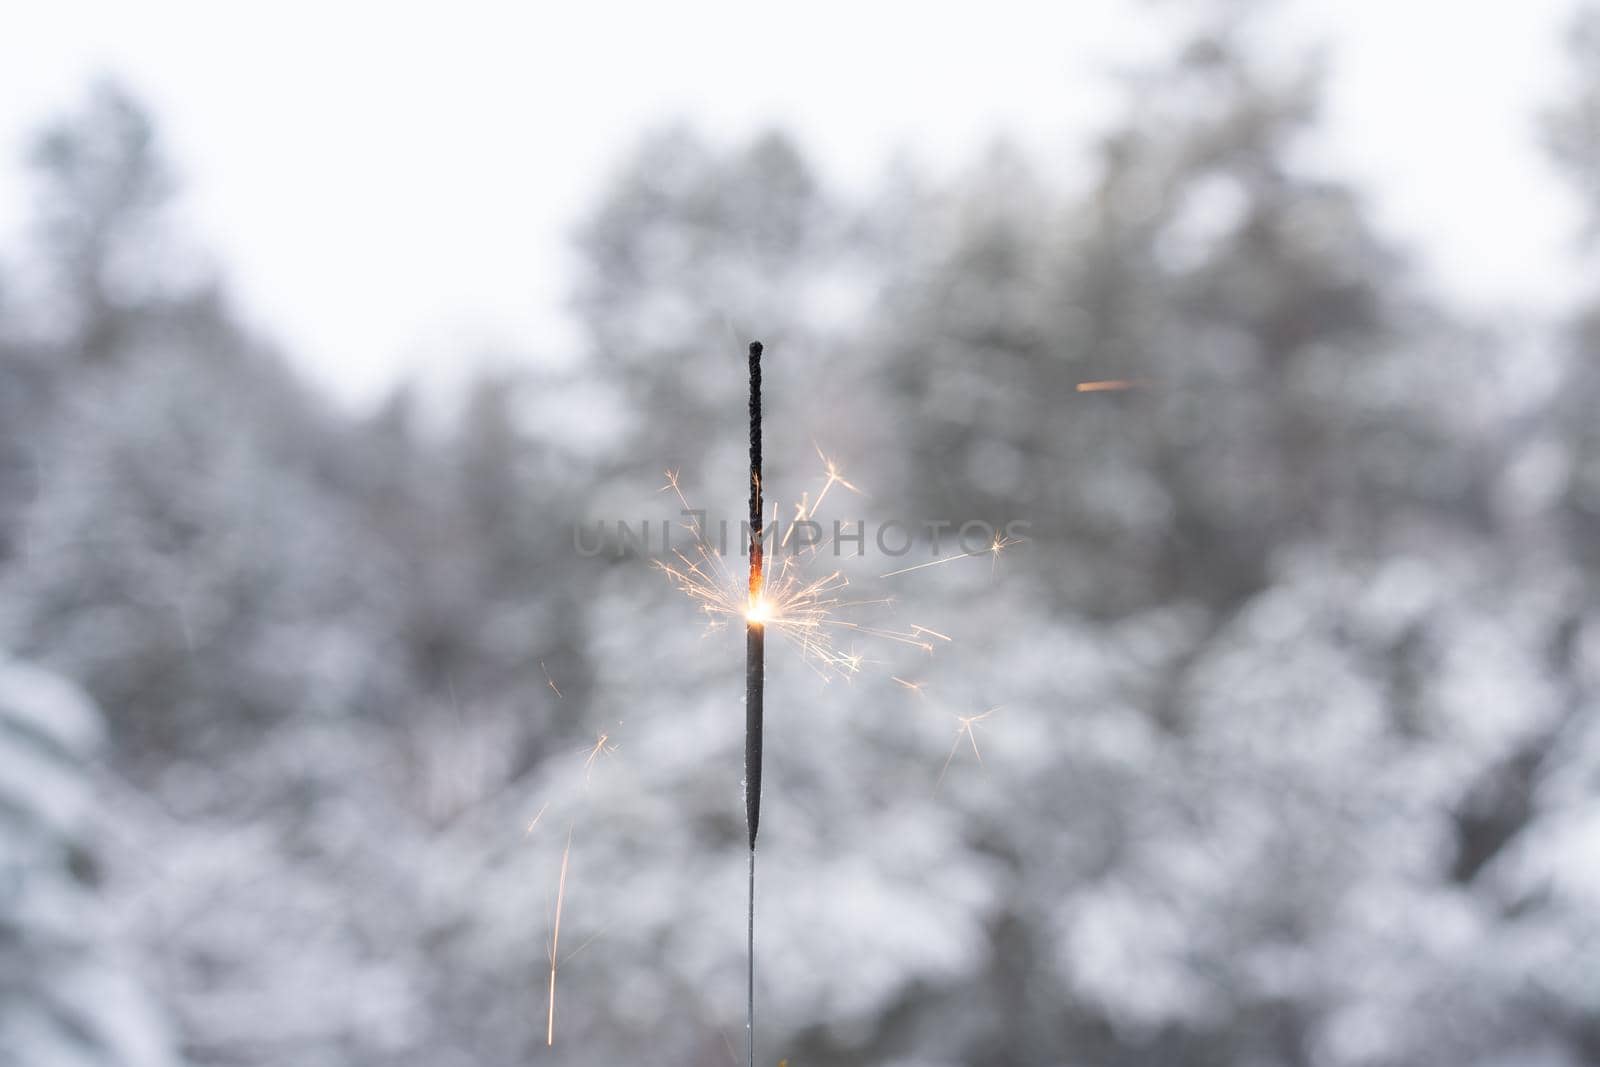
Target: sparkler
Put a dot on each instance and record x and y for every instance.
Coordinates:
(806, 610)
(754, 684)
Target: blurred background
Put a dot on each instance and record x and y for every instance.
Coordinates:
(324, 332)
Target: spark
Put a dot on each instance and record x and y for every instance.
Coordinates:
(591, 939)
(1115, 385)
(916, 687)
(992, 550)
(551, 682)
(555, 943)
(834, 477)
(806, 508)
(540, 814)
(809, 611)
(603, 746)
(965, 729)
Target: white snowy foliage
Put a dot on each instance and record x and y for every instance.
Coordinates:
(72, 989)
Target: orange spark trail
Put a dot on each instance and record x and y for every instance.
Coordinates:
(994, 549)
(603, 746)
(1114, 385)
(964, 730)
(551, 682)
(555, 942)
(535, 821)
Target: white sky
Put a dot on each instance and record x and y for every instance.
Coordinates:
(390, 187)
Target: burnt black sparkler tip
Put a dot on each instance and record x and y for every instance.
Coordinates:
(755, 678)
(755, 655)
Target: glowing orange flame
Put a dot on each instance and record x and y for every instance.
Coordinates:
(759, 612)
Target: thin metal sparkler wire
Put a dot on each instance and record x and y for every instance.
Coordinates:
(750, 979)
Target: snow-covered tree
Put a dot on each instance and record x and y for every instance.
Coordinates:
(74, 989)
